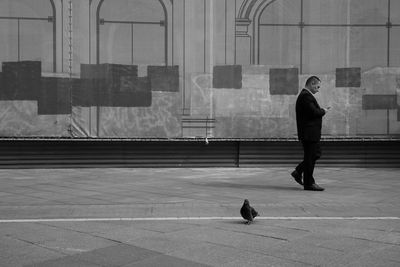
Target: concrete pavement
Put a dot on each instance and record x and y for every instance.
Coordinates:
(190, 217)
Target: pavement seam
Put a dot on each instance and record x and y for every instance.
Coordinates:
(247, 233)
(257, 251)
(86, 233)
(36, 244)
(373, 241)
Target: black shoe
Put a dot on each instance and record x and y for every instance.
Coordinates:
(314, 187)
(297, 177)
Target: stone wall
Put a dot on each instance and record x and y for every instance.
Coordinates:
(363, 103)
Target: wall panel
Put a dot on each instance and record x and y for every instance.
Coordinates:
(208, 68)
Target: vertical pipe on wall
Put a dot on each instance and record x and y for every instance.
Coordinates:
(226, 33)
(211, 52)
(301, 24)
(258, 42)
(172, 33)
(205, 34)
(388, 36)
(184, 58)
(90, 31)
(62, 35)
(54, 36)
(165, 32)
(211, 34)
(132, 43)
(234, 36)
(70, 48)
(348, 31)
(18, 40)
(70, 55)
(166, 39)
(258, 37)
(98, 32)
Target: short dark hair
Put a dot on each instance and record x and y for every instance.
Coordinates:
(312, 79)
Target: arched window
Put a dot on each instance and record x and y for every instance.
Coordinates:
(27, 32)
(319, 36)
(278, 34)
(132, 32)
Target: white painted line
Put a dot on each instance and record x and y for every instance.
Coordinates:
(189, 219)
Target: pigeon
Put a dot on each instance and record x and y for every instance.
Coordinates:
(248, 213)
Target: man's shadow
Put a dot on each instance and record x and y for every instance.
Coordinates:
(249, 186)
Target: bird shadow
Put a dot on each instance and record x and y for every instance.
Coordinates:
(237, 222)
(240, 222)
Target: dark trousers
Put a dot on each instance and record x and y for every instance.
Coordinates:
(312, 152)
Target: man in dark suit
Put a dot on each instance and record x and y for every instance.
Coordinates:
(309, 122)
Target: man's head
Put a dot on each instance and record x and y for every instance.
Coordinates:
(313, 84)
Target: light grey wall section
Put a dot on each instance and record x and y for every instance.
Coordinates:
(202, 34)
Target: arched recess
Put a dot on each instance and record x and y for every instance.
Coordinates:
(247, 23)
(33, 18)
(166, 7)
(297, 25)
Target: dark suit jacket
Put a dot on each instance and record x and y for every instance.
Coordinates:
(308, 117)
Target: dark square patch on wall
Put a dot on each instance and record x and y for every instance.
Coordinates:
(134, 92)
(348, 77)
(54, 96)
(398, 113)
(103, 81)
(1, 86)
(379, 102)
(164, 78)
(85, 93)
(227, 76)
(21, 80)
(284, 81)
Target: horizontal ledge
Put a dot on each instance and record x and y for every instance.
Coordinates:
(199, 138)
(328, 25)
(25, 18)
(133, 22)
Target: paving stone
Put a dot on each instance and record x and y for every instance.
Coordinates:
(372, 235)
(85, 227)
(264, 228)
(117, 255)
(372, 260)
(391, 253)
(127, 234)
(167, 261)
(163, 243)
(165, 227)
(14, 252)
(314, 255)
(263, 261)
(207, 253)
(194, 192)
(239, 240)
(64, 262)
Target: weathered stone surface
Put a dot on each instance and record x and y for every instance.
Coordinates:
(161, 119)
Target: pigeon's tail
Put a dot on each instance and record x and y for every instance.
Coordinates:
(254, 212)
